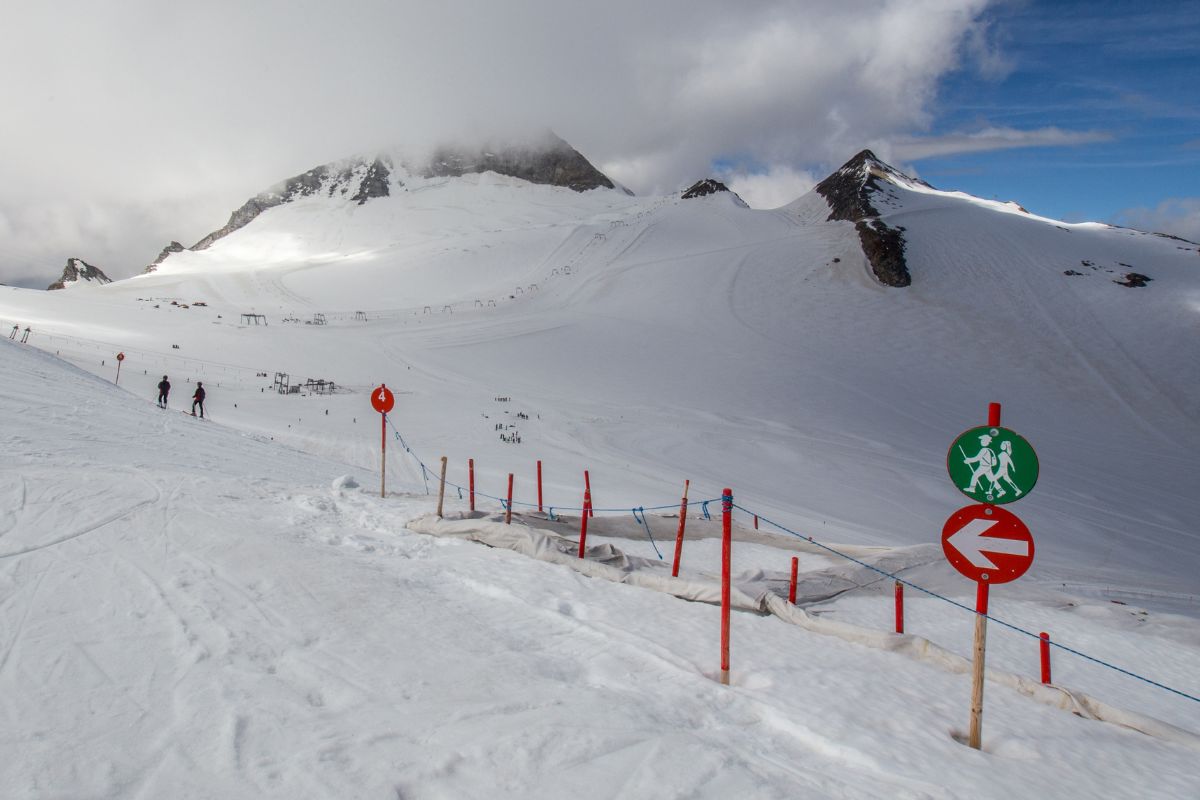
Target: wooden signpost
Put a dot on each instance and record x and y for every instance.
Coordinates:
(984, 542)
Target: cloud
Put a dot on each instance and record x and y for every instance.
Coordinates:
(776, 187)
(986, 139)
(129, 124)
(1178, 216)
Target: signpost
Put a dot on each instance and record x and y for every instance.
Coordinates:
(985, 543)
(120, 358)
(382, 400)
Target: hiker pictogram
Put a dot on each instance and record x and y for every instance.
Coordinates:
(992, 465)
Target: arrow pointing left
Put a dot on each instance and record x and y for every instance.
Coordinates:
(972, 541)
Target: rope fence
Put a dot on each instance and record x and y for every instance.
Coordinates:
(639, 515)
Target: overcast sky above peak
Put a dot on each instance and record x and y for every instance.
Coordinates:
(130, 123)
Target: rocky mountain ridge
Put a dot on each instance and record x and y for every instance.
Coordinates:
(78, 270)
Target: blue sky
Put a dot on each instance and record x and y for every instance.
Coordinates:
(1127, 73)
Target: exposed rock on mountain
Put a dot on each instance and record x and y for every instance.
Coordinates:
(79, 270)
(365, 180)
(710, 186)
(851, 193)
(549, 161)
(173, 247)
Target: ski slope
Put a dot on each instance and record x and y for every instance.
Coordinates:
(222, 612)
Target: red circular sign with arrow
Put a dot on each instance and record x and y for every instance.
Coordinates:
(382, 399)
(987, 544)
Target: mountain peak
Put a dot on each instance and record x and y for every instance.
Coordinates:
(851, 192)
(79, 270)
(707, 186)
(546, 159)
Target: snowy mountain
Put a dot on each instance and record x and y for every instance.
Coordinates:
(80, 273)
(648, 341)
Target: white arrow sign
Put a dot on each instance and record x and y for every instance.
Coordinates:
(972, 540)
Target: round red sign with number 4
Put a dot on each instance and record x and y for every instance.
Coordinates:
(382, 399)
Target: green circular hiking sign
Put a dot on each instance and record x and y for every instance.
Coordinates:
(992, 465)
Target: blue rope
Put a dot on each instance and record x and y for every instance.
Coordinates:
(646, 524)
(968, 608)
(705, 504)
(550, 509)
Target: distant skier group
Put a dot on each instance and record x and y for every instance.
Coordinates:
(164, 389)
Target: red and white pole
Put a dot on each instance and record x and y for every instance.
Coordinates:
(539, 476)
(1045, 648)
(508, 508)
(899, 607)
(679, 535)
(726, 572)
(792, 587)
(471, 480)
(583, 518)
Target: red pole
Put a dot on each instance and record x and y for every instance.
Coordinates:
(899, 607)
(792, 589)
(539, 486)
(583, 518)
(471, 481)
(679, 535)
(981, 597)
(118, 380)
(726, 571)
(756, 522)
(382, 454)
(1045, 647)
(587, 488)
(993, 415)
(508, 508)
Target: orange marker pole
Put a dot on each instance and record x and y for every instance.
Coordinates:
(679, 535)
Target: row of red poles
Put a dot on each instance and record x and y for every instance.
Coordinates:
(726, 553)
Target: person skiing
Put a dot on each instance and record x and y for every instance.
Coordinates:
(164, 389)
(198, 399)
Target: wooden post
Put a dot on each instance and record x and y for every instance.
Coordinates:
(508, 508)
(795, 572)
(471, 480)
(975, 736)
(726, 572)
(539, 476)
(899, 607)
(583, 518)
(442, 487)
(679, 535)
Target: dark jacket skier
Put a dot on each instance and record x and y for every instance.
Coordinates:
(198, 399)
(164, 389)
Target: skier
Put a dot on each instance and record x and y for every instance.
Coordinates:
(164, 388)
(198, 399)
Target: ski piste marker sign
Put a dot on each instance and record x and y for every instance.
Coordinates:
(990, 464)
(987, 544)
(382, 399)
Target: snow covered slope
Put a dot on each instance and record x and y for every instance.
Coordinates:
(653, 340)
(190, 611)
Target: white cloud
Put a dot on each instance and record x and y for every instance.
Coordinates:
(141, 107)
(776, 187)
(1178, 216)
(991, 138)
